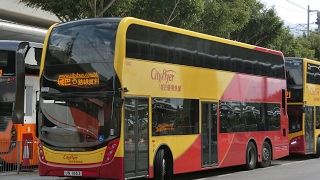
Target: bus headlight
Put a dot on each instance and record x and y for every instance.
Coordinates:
(294, 142)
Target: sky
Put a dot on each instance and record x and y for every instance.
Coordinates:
(296, 11)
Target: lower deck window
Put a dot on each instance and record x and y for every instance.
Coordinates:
(175, 116)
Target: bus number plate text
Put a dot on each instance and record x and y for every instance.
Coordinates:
(73, 173)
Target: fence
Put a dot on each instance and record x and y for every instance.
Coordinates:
(18, 155)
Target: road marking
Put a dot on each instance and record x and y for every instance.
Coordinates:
(296, 162)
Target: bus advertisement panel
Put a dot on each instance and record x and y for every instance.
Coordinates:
(19, 82)
(124, 98)
(303, 82)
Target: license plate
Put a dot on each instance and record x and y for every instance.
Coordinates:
(73, 173)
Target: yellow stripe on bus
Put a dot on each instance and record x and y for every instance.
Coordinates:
(62, 157)
(173, 81)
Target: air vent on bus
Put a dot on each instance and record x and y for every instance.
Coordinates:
(6, 108)
(3, 125)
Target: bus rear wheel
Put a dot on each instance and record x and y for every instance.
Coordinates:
(160, 167)
(317, 154)
(266, 155)
(251, 156)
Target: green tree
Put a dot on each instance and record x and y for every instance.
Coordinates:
(292, 46)
(263, 27)
(304, 48)
(222, 17)
(314, 40)
(178, 13)
(285, 43)
(67, 10)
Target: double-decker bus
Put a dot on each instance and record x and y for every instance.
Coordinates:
(19, 83)
(303, 96)
(123, 98)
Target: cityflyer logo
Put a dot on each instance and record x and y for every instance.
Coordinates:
(315, 92)
(165, 78)
(72, 159)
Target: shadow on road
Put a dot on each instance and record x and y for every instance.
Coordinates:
(296, 157)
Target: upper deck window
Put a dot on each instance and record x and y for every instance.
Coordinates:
(82, 43)
(313, 73)
(148, 43)
(294, 72)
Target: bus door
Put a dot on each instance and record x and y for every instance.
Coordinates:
(309, 129)
(136, 147)
(209, 134)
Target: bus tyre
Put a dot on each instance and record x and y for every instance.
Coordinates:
(266, 155)
(160, 167)
(251, 156)
(317, 154)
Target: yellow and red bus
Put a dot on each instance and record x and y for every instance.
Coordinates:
(19, 83)
(303, 83)
(124, 98)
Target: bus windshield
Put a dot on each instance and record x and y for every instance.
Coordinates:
(294, 72)
(79, 86)
(76, 121)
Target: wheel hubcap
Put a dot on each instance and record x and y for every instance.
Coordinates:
(265, 154)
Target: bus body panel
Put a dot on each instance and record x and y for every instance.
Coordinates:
(177, 82)
(297, 143)
(151, 81)
(88, 170)
(246, 86)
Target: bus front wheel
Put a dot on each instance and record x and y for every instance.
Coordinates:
(160, 167)
(251, 156)
(266, 155)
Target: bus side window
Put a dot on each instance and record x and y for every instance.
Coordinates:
(132, 49)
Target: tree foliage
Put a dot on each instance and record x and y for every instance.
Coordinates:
(222, 17)
(178, 13)
(264, 27)
(292, 46)
(315, 44)
(67, 10)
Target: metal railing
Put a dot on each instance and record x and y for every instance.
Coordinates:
(18, 156)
